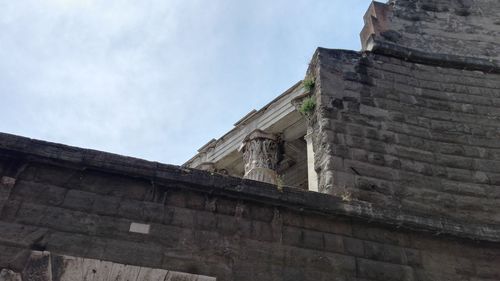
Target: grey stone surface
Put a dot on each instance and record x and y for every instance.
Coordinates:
(232, 233)
(448, 32)
(417, 137)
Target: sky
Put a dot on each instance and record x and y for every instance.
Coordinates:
(156, 79)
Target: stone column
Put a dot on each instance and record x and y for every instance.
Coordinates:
(312, 176)
(260, 156)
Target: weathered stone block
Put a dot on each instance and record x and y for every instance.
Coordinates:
(176, 199)
(112, 185)
(228, 225)
(9, 210)
(13, 257)
(111, 226)
(79, 200)
(22, 236)
(47, 174)
(386, 236)
(293, 236)
(381, 252)
(262, 213)
(69, 221)
(353, 246)
(206, 220)
(384, 271)
(262, 231)
(170, 236)
(334, 243)
(183, 217)
(131, 209)
(28, 213)
(106, 205)
(39, 193)
(226, 206)
(195, 201)
(142, 254)
(153, 212)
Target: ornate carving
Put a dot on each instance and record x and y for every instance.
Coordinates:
(260, 156)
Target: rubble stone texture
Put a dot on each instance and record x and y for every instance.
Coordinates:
(405, 138)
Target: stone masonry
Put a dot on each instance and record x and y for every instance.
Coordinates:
(413, 123)
(75, 202)
(405, 142)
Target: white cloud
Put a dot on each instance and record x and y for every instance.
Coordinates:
(154, 79)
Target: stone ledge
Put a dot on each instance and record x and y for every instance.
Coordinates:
(404, 28)
(25, 149)
(434, 59)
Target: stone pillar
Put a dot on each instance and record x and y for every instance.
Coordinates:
(260, 156)
(312, 176)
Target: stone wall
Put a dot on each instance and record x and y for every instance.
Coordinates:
(409, 136)
(464, 31)
(81, 203)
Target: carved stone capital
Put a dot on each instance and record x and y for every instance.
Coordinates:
(260, 156)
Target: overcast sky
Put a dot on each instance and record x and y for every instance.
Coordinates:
(156, 79)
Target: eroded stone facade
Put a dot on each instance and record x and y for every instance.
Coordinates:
(403, 139)
(82, 203)
(413, 131)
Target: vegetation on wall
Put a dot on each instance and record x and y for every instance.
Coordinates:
(307, 107)
(308, 84)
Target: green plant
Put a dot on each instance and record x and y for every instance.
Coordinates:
(307, 106)
(308, 84)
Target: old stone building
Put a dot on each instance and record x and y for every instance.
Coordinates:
(382, 164)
